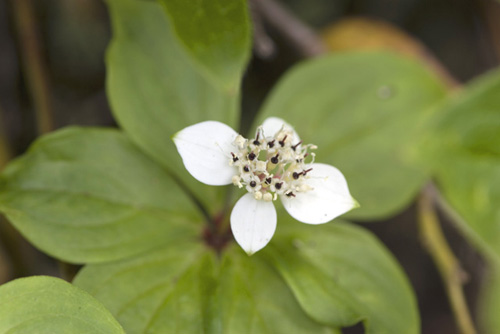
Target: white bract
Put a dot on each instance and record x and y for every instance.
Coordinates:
(273, 164)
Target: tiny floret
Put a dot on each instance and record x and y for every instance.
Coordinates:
(268, 197)
(280, 170)
(240, 141)
(274, 164)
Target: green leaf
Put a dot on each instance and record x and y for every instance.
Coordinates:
(216, 33)
(184, 289)
(90, 195)
(47, 305)
(462, 147)
(155, 91)
(338, 274)
(361, 110)
(341, 274)
(489, 302)
(269, 306)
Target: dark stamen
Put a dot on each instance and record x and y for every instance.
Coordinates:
(282, 142)
(256, 141)
(253, 184)
(271, 143)
(274, 159)
(246, 168)
(295, 146)
(296, 175)
(278, 185)
(268, 180)
(306, 171)
(251, 156)
(290, 194)
(235, 158)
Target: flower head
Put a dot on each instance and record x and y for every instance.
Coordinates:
(274, 164)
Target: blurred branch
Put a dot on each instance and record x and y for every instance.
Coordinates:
(449, 268)
(263, 45)
(299, 35)
(33, 64)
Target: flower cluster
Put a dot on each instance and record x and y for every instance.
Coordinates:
(273, 164)
(269, 166)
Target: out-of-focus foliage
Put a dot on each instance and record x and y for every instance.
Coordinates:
(366, 34)
(361, 110)
(462, 147)
(46, 305)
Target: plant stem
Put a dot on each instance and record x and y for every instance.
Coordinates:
(447, 264)
(33, 64)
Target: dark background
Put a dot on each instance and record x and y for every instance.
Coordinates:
(72, 35)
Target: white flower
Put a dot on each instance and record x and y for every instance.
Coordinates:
(273, 164)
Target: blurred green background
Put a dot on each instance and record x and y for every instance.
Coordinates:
(71, 37)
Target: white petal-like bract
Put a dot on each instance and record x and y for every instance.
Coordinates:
(272, 125)
(328, 199)
(273, 163)
(205, 149)
(253, 223)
